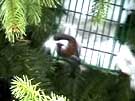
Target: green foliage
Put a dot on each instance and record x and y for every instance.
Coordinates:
(91, 84)
(16, 14)
(126, 32)
(32, 11)
(24, 90)
(99, 10)
(3, 41)
(48, 26)
(20, 59)
(58, 76)
(13, 19)
(51, 3)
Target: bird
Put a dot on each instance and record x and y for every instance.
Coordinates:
(72, 48)
(71, 51)
(63, 45)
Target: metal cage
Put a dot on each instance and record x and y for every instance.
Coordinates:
(98, 44)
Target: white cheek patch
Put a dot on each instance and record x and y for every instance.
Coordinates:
(126, 60)
(52, 44)
(64, 42)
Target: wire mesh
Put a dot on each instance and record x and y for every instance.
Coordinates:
(98, 44)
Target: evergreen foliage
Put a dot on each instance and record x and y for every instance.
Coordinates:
(13, 19)
(24, 90)
(100, 10)
(24, 60)
(92, 85)
(17, 14)
(48, 26)
(126, 32)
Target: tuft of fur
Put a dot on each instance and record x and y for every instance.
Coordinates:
(50, 45)
(126, 63)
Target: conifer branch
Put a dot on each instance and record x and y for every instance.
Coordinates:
(24, 90)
